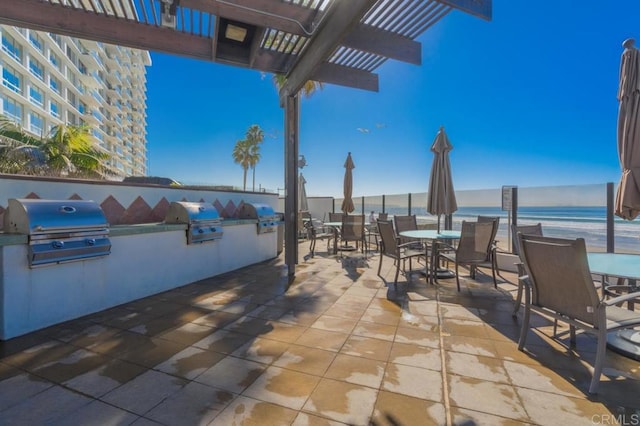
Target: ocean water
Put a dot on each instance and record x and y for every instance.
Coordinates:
(589, 223)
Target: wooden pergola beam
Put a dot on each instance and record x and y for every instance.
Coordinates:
(282, 16)
(341, 18)
(480, 8)
(72, 22)
(344, 76)
(298, 20)
(384, 43)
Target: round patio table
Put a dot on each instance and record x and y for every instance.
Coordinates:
(430, 236)
(625, 266)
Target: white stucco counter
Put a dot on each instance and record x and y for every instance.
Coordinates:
(145, 259)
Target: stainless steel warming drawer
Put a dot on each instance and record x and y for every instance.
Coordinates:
(267, 219)
(59, 230)
(202, 220)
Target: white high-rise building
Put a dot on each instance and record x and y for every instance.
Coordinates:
(48, 79)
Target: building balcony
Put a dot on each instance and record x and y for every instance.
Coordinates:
(89, 99)
(89, 81)
(113, 79)
(90, 119)
(89, 61)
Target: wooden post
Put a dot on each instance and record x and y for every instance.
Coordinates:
(610, 230)
(291, 143)
(514, 217)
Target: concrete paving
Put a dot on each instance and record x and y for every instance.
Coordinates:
(338, 346)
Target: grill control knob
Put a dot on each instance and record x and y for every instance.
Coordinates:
(200, 231)
(90, 241)
(57, 244)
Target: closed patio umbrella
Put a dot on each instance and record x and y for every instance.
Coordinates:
(347, 203)
(628, 196)
(303, 203)
(441, 197)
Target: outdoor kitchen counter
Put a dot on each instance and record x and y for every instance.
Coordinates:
(147, 228)
(122, 230)
(143, 260)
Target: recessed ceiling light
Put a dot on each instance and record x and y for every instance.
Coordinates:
(235, 33)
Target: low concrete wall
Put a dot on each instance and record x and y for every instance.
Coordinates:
(140, 264)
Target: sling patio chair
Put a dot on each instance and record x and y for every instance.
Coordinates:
(516, 231)
(373, 236)
(335, 218)
(536, 230)
(352, 230)
(496, 224)
(474, 250)
(317, 231)
(407, 223)
(303, 218)
(560, 285)
(398, 252)
(494, 219)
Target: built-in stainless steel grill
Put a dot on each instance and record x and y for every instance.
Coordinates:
(203, 220)
(59, 230)
(267, 219)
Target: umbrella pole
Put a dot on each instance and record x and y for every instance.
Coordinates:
(438, 224)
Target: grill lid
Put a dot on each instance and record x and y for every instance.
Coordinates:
(257, 211)
(34, 216)
(203, 220)
(189, 212)
(267, 218)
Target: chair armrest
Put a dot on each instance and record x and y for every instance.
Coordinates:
(620, 299)
(499, 250)
(413, 243)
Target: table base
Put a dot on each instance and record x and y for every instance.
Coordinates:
(625, 342)
(445, 273)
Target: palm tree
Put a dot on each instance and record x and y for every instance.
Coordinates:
(241, 155)
(255, 137)
(67, 150)
(15, 147)
(70, 150)
(309, 88)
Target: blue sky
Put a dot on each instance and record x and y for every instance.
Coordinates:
(527, 99)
